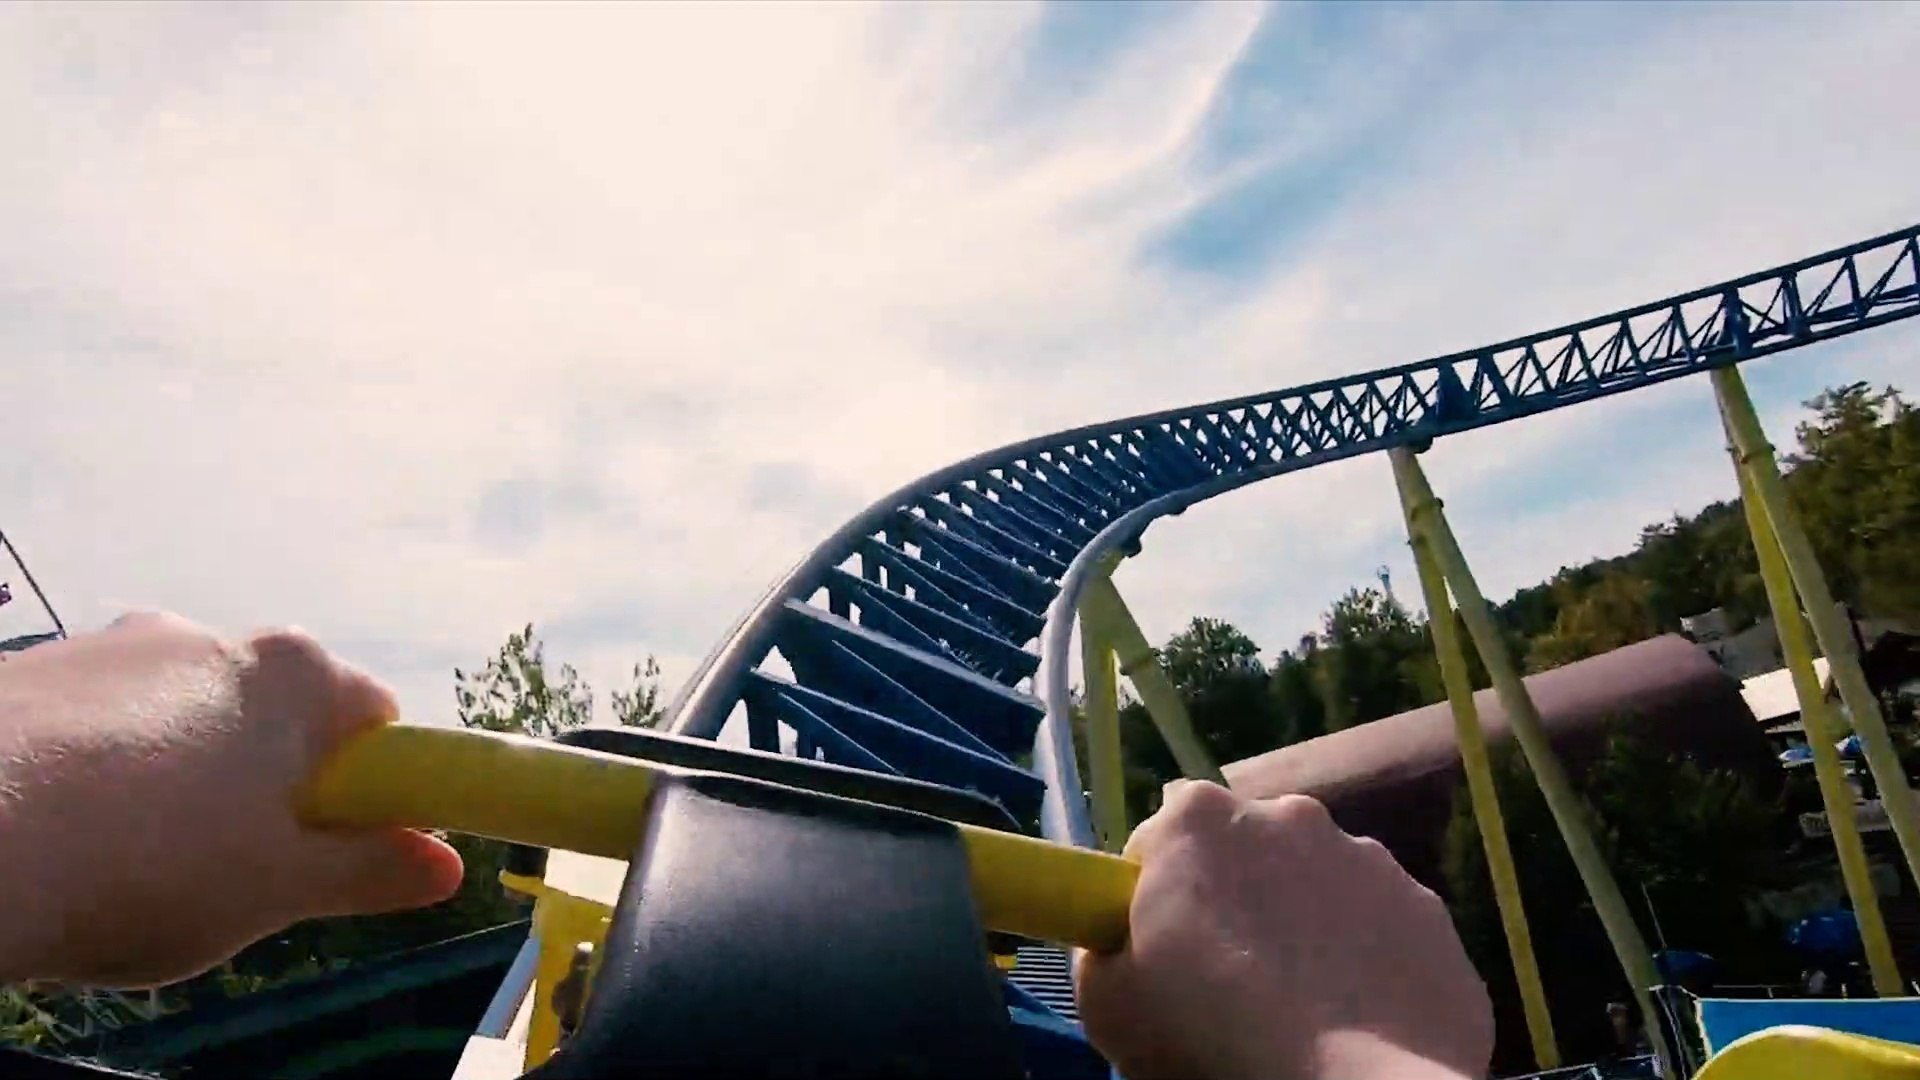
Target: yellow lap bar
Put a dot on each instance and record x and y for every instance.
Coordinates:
(507, 787)
(553, 796)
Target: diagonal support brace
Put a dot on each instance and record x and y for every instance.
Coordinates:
(1485, 798)
(1569, 809)
(1102, 609)
(1762, 484)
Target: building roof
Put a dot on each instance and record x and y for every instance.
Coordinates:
(1771, 696)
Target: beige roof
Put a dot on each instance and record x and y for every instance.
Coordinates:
(1770, 696)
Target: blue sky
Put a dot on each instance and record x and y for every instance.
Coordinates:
(412, 324)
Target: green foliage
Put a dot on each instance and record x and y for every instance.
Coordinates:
(1615, 611)
(1694, 564)
(517, 693)
(1207, 653)
(1857, 482)
(639, 705)
(1699, 842)
(520, 693)
(24, 1018)
(1295, 697)
(1373, 660)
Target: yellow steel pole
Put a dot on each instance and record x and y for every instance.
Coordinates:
(1821, 737)
(1106, 780)
(1755, 456)
(1103, 609)
(1486, 800)
(1569, 810)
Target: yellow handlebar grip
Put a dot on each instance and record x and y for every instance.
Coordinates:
(548, 795)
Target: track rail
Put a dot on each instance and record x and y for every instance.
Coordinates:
(929, 636)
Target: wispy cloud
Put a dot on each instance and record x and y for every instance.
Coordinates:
(413, 323)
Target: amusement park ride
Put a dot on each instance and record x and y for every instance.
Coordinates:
(881, 885)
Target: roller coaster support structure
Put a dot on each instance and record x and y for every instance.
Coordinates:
(1106, 772)
(1569, 810)
(1486, 799)
(1822, 736)
(1106, 616)
(1777, 534)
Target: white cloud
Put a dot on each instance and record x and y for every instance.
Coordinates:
(413, 323)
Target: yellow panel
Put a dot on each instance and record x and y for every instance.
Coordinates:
(1810, 1053)
(561, 922)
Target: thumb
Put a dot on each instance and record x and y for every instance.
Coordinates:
(374, 871)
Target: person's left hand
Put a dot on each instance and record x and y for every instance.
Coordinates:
(148, 774)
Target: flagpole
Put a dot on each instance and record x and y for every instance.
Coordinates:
(45, 604)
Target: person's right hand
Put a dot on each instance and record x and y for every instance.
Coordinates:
(1265, 942)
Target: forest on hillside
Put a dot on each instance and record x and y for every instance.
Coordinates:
(1854, 475)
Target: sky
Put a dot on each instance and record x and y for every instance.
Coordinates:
(412, 324)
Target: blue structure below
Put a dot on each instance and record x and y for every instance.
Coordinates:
(1724, 1020)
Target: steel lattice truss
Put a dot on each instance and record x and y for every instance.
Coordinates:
(911, 638)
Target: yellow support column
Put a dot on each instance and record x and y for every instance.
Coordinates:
(1103, 610)
(1106, 780)
(1486, 800)
(1755, 456)
(1569, 810)
(1821, 738)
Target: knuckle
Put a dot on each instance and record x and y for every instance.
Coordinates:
(1372, 849)
(151, 619)
(289, 643)
(1198, 805)
(1300, 812)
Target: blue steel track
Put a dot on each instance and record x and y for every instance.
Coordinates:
(929, 637)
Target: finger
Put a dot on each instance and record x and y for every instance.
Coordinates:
(1103, 991)
(374, 871)
(360, 702)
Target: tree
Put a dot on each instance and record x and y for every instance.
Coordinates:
(1613, 613)
(1373, 660)
(516, 693)
(1216, 670)
(1700, 842)
(639, 706)
(1208, 653)
(520, 693)
(1297, 706)
(1856, 481)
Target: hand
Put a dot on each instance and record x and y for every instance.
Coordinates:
(148, 774)
(1265, 942)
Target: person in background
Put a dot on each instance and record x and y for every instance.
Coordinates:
(148, 768)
